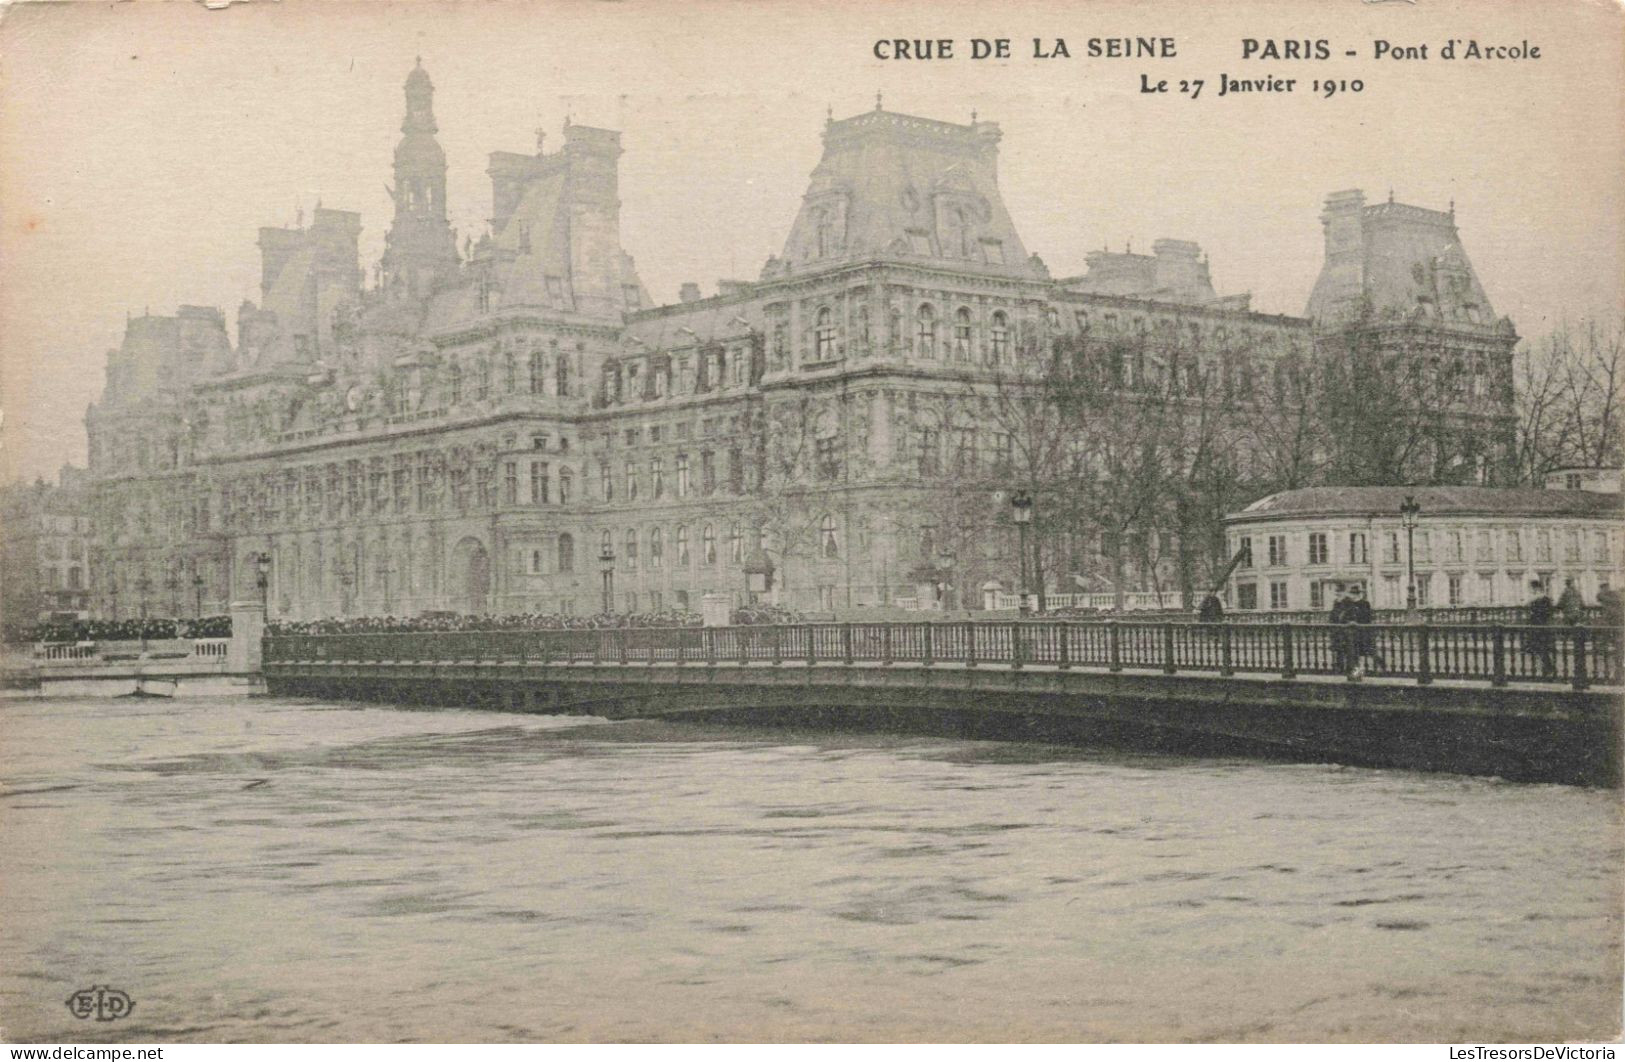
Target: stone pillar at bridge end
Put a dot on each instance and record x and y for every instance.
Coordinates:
(247, 628)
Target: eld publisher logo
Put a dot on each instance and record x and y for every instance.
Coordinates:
(100, 1002)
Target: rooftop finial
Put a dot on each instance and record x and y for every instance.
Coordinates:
(1390, 195)
(973, 116)
(541, 138)
(877, 101)
(1452, 208)
(829, 112)
(420, 62)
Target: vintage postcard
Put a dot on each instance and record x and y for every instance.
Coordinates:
(786, 521)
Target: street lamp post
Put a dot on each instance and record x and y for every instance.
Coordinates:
(1021, 506)
(606, 564)
(945, 562)
(197, 592)
(262, 578)
(1409, 510)
(172, 583)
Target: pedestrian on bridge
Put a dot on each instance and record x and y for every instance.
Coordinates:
(1360, 614)
(1342, 647)
(1537, 637)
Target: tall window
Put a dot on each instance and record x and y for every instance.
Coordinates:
(736, 543)
(824, 335)
(567, 552)
(1514, 546)
(605, 542)
(539, 479)
(565, 482)
(1390, 548)
(682, 545)
(1001, 336)
(1455, 551)
(861, 326)
(510, 483)
(537, 374)
(510, 373)
(631, 481)
(682, 475)
(657, 547)
(1279, 601)
(1277, 554)
(965, 454)
(561, 370)
(1357, 552)
(930, 445)
(1486, 549)
(925, 331)
(828, 544)
(631, 549)
(962, 333)
(657, 477)
(708, 545)
(454, 383)
(1317, 547)
(708, 472)
(606, 481)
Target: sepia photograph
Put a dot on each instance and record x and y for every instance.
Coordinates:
(607, 521)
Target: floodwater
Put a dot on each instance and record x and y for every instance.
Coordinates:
(276, 870)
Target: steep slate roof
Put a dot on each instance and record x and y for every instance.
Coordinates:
(1435, 501)
(894, 183)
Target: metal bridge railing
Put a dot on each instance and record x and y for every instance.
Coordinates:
(1495, 655)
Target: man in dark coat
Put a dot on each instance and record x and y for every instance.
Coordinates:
(1342, 656)
(1360, 613)
(1537, 639)
(1211, 610)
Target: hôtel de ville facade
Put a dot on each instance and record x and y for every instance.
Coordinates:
(475, 423)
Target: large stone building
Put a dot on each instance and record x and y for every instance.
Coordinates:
(44, 551)
(478, 425)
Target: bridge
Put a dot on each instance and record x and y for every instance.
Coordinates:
(1521, 702)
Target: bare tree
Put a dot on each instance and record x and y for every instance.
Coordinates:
(1566, 392)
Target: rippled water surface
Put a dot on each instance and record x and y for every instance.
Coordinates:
(278, 870)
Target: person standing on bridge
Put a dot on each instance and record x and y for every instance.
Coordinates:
(1537, 637)
(1571, 604)
(1211, 610)
(1364, 637)
(1342, 650)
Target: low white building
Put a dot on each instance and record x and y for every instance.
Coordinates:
(1471, 546)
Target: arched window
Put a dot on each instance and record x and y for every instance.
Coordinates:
(736, 543)
(925, 331)
(454, 383)
(682, 545)
(537, 372)
(567, 552)
(657, 548)
(962, 333)
(708, 545)
(606, 543)
(510, 373)
(562, 371)
(824, 335)
(1000, 335)
(828, 544)
(631, 547)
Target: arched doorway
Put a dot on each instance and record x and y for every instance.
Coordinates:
(471, 575)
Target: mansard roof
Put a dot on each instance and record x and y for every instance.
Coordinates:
(896, 184)
(1381, 502)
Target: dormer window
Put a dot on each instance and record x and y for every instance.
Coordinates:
(824, 335)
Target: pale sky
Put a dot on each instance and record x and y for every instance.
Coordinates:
(143, 144)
